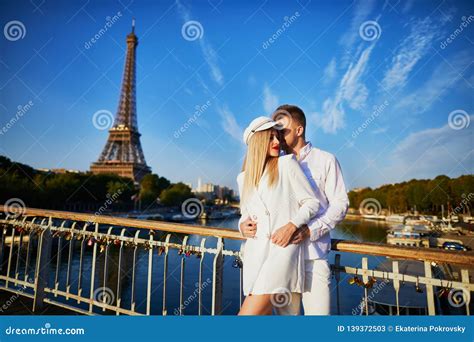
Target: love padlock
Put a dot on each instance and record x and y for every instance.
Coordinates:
(237, 263)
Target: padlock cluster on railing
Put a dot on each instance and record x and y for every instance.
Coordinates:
(105, 239)
(24, 228)
(355, 280)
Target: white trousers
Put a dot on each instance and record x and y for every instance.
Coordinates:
(316, 297)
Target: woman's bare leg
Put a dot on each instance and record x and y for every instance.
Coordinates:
(256, 305)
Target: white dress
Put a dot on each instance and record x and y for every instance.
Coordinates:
(267, 267)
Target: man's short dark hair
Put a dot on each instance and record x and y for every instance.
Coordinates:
(296, 113)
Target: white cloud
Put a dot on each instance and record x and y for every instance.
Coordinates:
(434, 151)
(351, 40)
(447, 15)
(229, 123)
(379, 130)
(270, 100)
(351, 92)
(330, 71)
(333, 117)
(444, 76)
(352, 89)
(209, 54)
(361, 13)
(409, 52)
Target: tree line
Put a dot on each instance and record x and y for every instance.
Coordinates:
(51, 190)
(425, 195)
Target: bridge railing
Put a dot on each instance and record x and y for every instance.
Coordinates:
(83, 262)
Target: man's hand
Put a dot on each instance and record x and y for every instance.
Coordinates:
(283, 234)
(248, 228)
(300, 235)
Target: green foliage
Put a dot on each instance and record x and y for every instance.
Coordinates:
(55, 190)
(176, 194)
(426, 195)
(151, 188)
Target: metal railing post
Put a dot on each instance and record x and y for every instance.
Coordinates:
(365, 279)
(181, 279)
(396, 284)
(150, 274)
(217, 279)
(429, 290)
(93, 294)
(165, 273)
(466, 292)
(3, 233)
(43, 263)
(337, 276)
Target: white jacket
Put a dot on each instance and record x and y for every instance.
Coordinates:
(269, 268)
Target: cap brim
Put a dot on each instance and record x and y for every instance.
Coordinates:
(266, 125)
(262, 127)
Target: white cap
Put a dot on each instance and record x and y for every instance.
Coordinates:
(259, 124)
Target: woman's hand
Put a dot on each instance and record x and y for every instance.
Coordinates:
(283, 235)
(248, 228)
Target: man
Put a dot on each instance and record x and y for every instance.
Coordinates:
(324, 173)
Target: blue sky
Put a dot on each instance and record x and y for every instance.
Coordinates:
(381, 85)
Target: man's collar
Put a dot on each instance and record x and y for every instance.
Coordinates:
(305, 151)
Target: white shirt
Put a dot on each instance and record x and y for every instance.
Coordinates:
(325, 175)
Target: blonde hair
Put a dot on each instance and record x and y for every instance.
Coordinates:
(257, 161)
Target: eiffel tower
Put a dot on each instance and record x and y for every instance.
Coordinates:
(123, 154)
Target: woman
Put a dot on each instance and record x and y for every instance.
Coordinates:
(276, 194)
